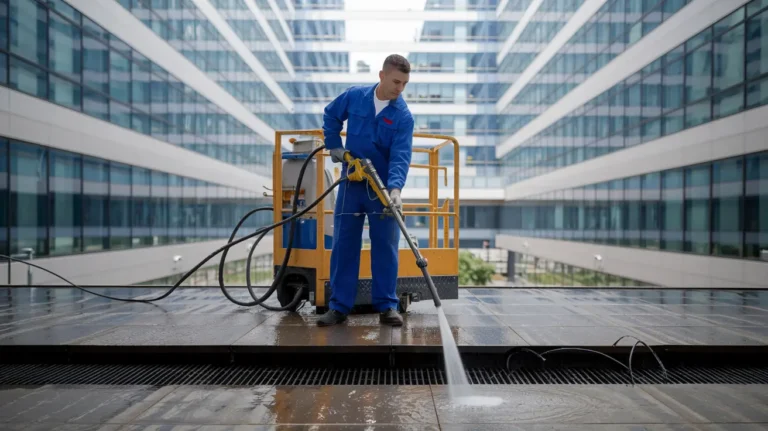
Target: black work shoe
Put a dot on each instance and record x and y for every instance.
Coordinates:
(331, 317)
(391, 317)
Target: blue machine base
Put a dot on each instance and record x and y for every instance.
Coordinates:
(305, 235)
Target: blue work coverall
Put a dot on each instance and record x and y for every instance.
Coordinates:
(386, 139)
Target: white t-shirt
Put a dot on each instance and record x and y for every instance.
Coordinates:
(378, 104)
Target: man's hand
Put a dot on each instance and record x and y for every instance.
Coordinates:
(397, 201)
(337, 155)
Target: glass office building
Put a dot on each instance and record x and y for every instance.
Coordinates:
(135, 133)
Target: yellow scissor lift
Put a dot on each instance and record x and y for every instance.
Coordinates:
(309, 263)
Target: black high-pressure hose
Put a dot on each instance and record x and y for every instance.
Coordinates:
(261, 232)
(281, 272)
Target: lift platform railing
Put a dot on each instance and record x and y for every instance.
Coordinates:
(434, 210)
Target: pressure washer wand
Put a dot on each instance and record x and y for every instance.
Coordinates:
(364, 169)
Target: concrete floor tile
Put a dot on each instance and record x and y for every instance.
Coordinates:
(90, 404)
(570, 404)
(600, 427)
(302, 427)
(586, 336)
(333, 336)
(52, 335)
(362, 405)
(714, 403)
(699, 335)
(60, 427)
(464, 336)
(219, 335)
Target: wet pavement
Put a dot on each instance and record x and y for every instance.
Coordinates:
(482, 318)
(536, 407)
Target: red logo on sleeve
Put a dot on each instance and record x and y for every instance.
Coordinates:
(387, 120)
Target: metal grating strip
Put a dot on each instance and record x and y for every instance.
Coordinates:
(244, 375)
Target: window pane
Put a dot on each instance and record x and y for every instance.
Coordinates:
(726, 207)
(651, 223)
(4, 25)
(95, 64)
(756, 205)
(140, 207)
(4, 198)
(757, 45)
(188, 209)
(728, 102)
(140, 86)
(119, 114)
(3, 69)
(674, 122)
(729, 59)
(27, 78)
(698, 73)
(64, 47)
(632, 211)
(755, 6)
(159, 210)
(757, 93)
(29, 199)
(95, 204)
(672, 210)
(120, 78)
(699, 113)
(66, 209)
(95, 105)
(175, 214)
(29, 28)
(697, 209)
(672, 85)
(64, 93)
(119, 206)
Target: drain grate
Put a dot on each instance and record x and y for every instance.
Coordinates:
(205, 374)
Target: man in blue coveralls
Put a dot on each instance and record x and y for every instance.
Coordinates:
(379, 128)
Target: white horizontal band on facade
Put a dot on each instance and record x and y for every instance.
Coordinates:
(275, 43)
(662, 268)
(120, 22)
(731, 136)
(239, 47)
(291, 8)
(127, 267)
(396, 46)
(36, 121)
(415, 108)
(577, 21)
(501, 6)
(686, 23)
(416, 77)
(394, 15)
(531, 10)
(281, 20)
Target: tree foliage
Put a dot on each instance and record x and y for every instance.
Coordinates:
(473, 271)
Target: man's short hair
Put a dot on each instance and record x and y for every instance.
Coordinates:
(398, 62)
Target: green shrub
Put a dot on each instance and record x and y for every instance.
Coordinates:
(473, 271)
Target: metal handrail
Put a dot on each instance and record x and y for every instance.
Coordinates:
(433, 166)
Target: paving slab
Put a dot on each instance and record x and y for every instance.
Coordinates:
(714, 403)
(360, 405)
(479, 317)
(336, 337)
(218, 335)
(77, 404)
(579, 404)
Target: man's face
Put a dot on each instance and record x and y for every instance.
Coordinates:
(392, 83)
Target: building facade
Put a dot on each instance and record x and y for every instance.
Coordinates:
(624, 138)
